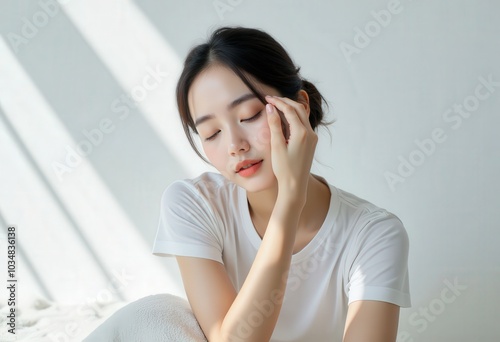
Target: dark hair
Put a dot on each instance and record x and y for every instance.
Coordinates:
(250, 51)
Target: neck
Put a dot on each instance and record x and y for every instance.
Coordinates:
(261, 204)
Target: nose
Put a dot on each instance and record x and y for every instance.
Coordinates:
(237, 143)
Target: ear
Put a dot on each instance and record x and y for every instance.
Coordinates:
(303, 98)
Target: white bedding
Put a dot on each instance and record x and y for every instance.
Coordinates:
(146, 319)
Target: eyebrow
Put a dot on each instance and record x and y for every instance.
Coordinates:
(233, 104)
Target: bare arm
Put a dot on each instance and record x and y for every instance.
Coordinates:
(372, 321)
(223, 314)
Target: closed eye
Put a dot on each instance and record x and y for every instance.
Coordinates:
(255, 117)
(212, 137)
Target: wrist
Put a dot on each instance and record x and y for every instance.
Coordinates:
(291, 200)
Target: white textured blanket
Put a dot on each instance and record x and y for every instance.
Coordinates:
(161, 317)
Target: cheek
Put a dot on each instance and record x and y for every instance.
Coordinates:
(218, 157)
(212, 153)
(261, 136)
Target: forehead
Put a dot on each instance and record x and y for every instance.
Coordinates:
(215, 87)
(213, 83)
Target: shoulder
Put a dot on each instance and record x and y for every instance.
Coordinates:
(209, 192)
(367, 220)
(206, 186)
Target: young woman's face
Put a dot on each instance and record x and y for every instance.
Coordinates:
(232, 126)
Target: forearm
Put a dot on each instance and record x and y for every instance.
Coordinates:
(262, 292)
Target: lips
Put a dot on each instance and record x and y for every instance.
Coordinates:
(246, 163)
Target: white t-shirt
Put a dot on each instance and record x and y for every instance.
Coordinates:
(359, 253)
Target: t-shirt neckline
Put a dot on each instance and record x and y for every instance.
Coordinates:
(315, 242)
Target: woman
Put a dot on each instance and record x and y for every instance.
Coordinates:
(266, 249)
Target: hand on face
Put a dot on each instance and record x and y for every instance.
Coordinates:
(292, 159)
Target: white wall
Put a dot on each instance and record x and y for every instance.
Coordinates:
(68, 67)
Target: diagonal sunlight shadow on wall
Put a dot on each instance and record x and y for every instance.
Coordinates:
(58, 253)
(130, 158)
(77, 93)
(169, 18)
(27, 156)
(133, 35)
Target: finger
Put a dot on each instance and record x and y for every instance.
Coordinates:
(300, 108)
(274, 121)
(298, 129)
(289, 111)
(283, 102)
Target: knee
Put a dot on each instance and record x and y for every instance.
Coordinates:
(161, 317)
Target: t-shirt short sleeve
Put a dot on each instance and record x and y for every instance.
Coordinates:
(188, 224)
(378, 268)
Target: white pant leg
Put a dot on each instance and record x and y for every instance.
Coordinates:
(161, 317)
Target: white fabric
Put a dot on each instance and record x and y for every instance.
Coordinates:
(359, 253)
(157, 318)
